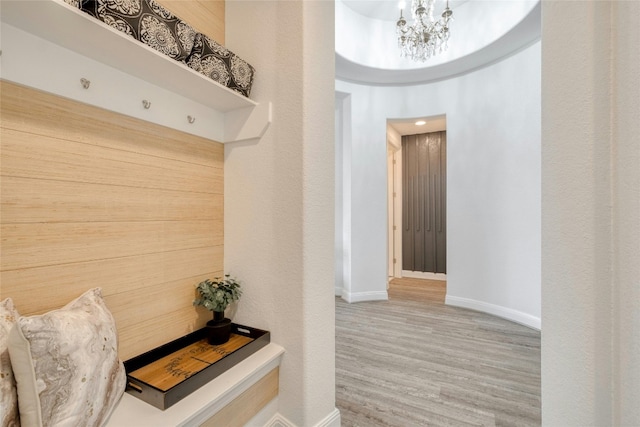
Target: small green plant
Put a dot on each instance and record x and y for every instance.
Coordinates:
(217, 294)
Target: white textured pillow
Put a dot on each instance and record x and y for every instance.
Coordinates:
(9, 416)
(66, 364)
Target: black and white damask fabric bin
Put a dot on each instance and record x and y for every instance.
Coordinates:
(150, 23)
(220, 64)
(146, 21)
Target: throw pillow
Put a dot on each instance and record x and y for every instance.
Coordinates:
(8, 397)
(66, 364)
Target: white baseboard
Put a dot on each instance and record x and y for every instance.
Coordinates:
(424, 275)
(497, 310)
(339, 291)
(365, 296)
(331, 420)
(278, 420)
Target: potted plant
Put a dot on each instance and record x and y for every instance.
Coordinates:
(216, 295)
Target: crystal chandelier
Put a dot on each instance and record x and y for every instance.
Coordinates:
(425, 37)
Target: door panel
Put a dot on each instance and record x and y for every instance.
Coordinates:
(424, 202)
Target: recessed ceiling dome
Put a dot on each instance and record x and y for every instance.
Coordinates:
(482, 33)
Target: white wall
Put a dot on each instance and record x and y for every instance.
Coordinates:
(343, 191)
(591, 214)
(365, 205)
(279, 197)
(493, 150)
(339, 194)
(626, 230)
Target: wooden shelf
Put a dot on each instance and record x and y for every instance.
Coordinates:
(70, 28)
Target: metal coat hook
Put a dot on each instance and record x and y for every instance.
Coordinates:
(85, 83)
(191, 119)
(146, 104)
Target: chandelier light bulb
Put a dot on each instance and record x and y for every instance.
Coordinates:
(425, 37)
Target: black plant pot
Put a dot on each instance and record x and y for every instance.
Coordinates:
(218, 329)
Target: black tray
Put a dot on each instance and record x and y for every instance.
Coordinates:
(164, 399)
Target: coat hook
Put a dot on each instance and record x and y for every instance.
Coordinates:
(191, 119)
(146, 104)
(85, 83)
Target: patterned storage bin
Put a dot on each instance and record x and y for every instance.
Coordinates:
(153, 25)
(220, 64)
(146, 21)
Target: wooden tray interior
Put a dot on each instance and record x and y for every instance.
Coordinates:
(171, 370)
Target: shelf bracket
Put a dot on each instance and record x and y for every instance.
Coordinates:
(247, 123)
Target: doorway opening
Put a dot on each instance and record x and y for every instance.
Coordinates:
(416, 196)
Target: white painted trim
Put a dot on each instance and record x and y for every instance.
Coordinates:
(118, 68)
(247, 123)
(424, 275)
(397, 212)
(203, 403)
(339, 291)
(393, 137)
(279, 420)
(365, 296)
(239, 387)
(331, 420)
(497, 310)
(343, 144)
(110, 88)
(391, 266)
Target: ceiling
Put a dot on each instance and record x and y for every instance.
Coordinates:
(389, 10)
(482, 33)
(409, 127)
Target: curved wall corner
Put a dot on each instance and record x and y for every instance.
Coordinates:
(497, 310)
(494, 180)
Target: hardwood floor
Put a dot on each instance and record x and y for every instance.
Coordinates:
(413, 361)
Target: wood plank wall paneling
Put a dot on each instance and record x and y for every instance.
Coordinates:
(92, 198)
(248, 404)
(206, 16)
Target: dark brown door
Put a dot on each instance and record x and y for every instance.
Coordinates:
(424, 183)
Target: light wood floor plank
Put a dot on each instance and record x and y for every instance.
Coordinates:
(413, 361)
